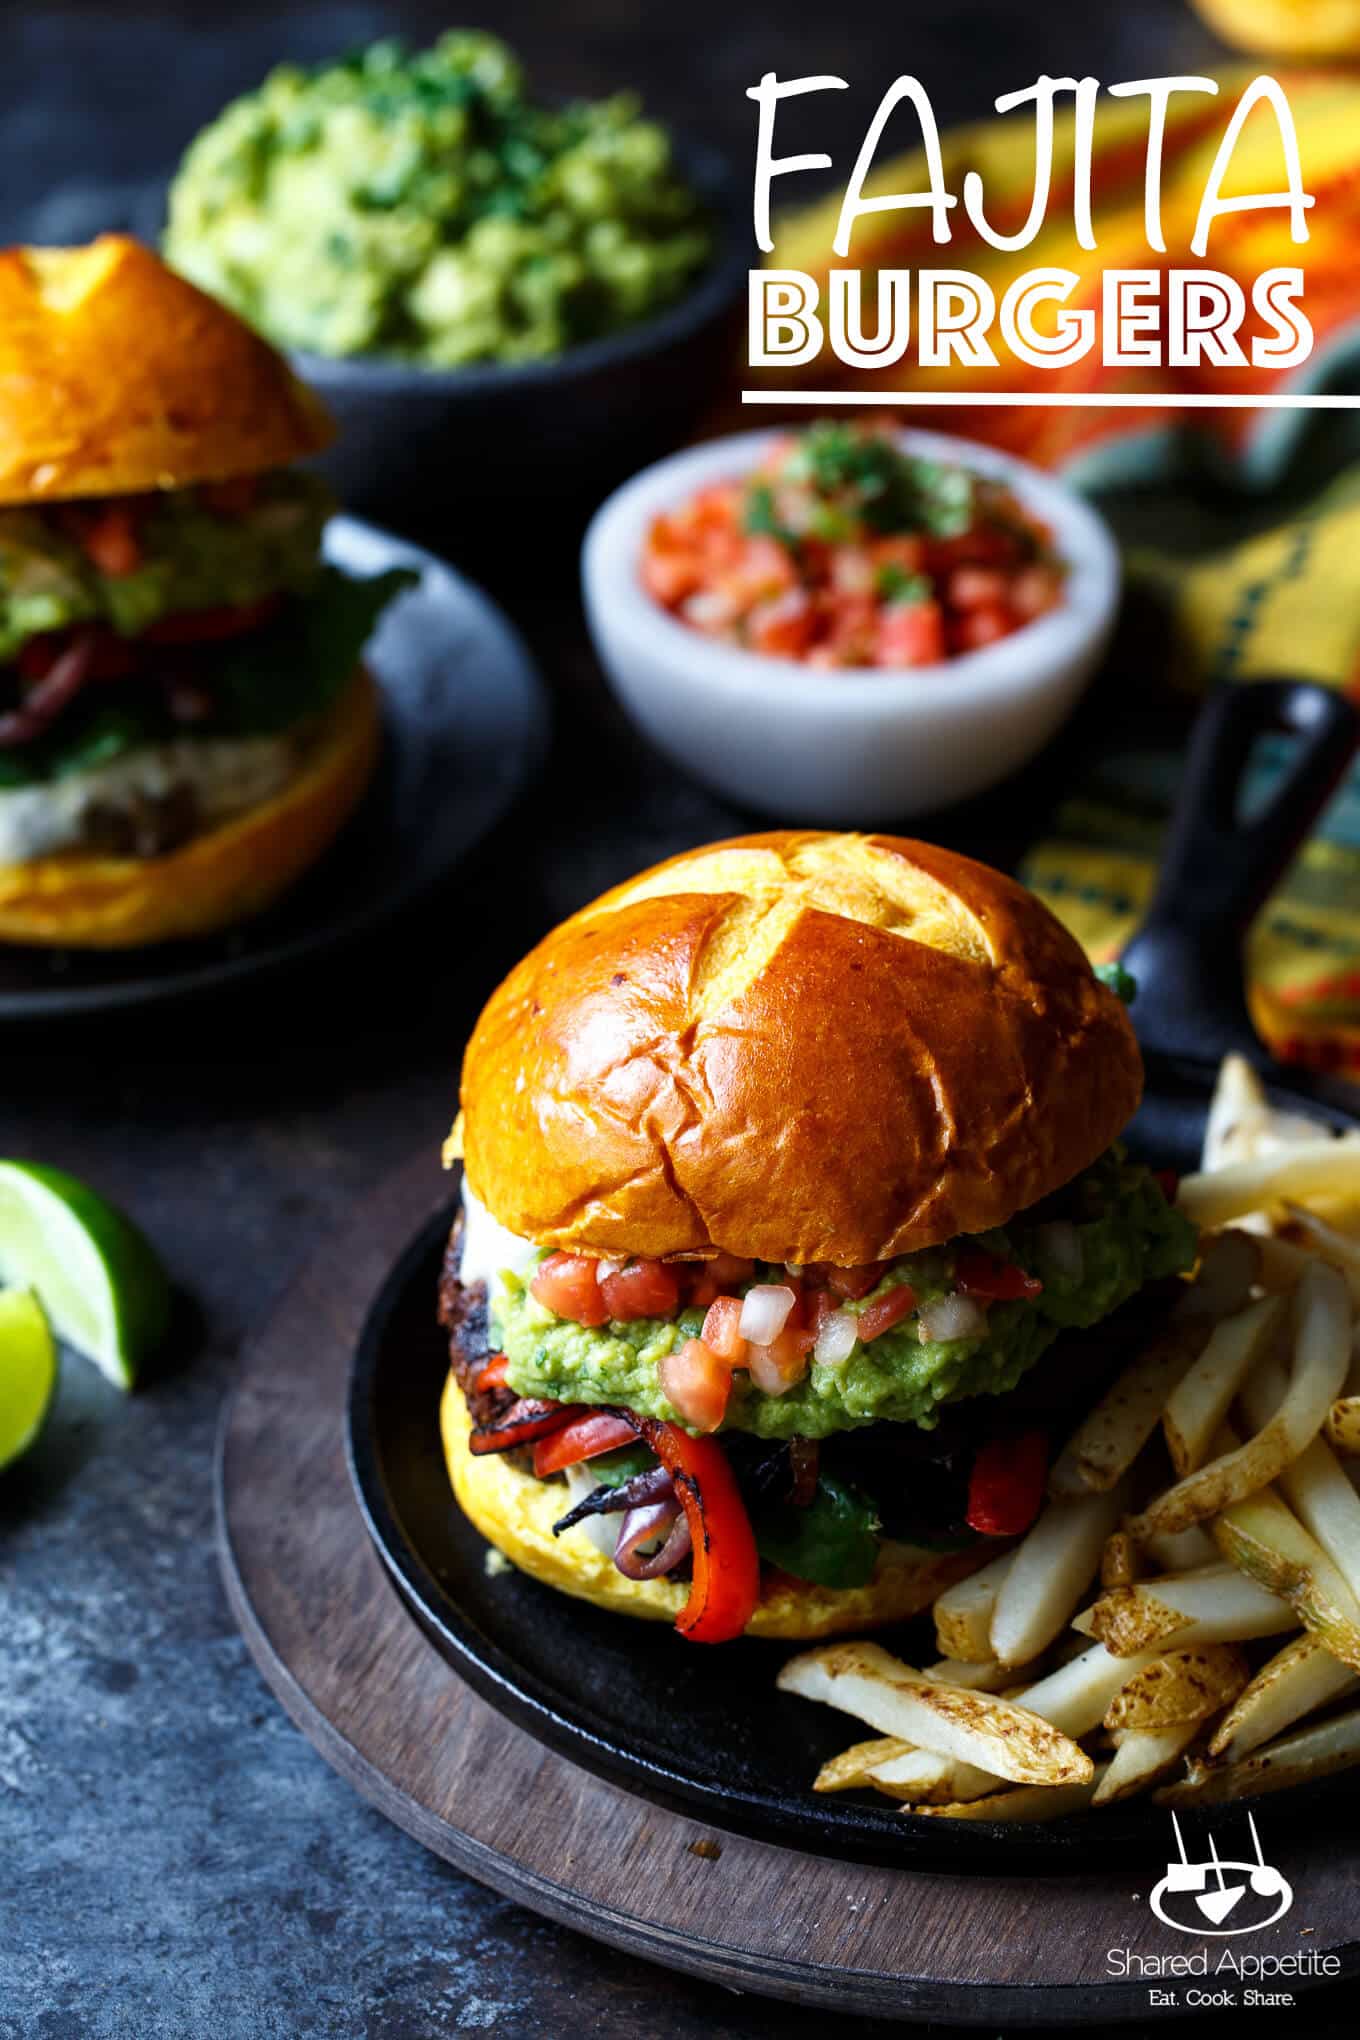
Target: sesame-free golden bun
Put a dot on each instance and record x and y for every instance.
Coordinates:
(77, 900)
(515, 1513)
(795, 1047)
(118, 377)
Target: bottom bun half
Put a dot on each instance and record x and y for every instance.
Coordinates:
(516, 1513)
(225, 875)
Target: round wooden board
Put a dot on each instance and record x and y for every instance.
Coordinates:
(356, 1674)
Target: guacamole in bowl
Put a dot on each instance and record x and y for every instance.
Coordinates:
(424, 208)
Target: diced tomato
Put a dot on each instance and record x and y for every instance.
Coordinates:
(493, 1374)
(855, 1282)
(885, 1311)
(776, 1367)
(567, 1284)
(721, 1333)
(1006, 1486)
(1033, 590)
(670, 575)
(983, 1275)
(696, 1384)
(210, 626)
(905, 550)
(985, 626)
(585, 1437)
(523, 1422)
(109, 539)
(642, 1289)
(910, 634)
(726, 1565)
(977, 587)
(819, 1306)
(782, 627)
(719, 1277)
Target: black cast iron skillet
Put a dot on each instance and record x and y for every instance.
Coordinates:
(703, 1730)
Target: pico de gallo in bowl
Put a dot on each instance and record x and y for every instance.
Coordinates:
(843, 548)
(773, 611)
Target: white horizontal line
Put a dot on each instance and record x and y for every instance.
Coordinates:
(1059, 399)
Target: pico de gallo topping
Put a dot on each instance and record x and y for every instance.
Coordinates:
(843, 550)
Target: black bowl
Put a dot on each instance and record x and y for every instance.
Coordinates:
(446, 447)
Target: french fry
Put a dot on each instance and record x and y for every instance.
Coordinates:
(952, 1721)
(918, 1777)
(1322, 1341)
(1199, 1401)
(1267, 1542)
(1332, 1246)
(1108, 1441)
(1075, 1698)
(1313, 1484)
(1314, 1752)
(1026, 1802)
(1314, 1168)
(853, 1768)
(1143, 1758)
(1180, 1686)
(1050, 1572)
(1301, 1677)
(1182, 1551)
(1343, 1425)
(1120, 1561)
(986, 1677)
(1237, 1114)
(1218, 1605)
(963, 1613)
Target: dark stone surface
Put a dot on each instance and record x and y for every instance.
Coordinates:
(174, 1858)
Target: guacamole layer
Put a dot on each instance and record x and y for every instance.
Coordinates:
(1129, 1236)
(192, 558)
(422, 205)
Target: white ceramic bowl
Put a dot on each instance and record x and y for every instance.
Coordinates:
(872, 745)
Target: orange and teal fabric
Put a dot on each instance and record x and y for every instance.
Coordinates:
(1240, 529)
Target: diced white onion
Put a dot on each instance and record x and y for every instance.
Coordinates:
(951, 1317)
(835, 1340)
(765, 1312)
(604, 1269)
(1059, 1243)
(769, 1375)
(794, 1268)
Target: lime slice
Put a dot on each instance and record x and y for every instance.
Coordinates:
(28, 1371)
(100, 1282)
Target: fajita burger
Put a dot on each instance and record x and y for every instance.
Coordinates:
(792, 1194)
(184, 720)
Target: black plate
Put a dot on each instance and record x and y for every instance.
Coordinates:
(699, 1729)
(465, 722)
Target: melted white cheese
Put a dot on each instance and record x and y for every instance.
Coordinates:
(226, 774)
(488, 1248)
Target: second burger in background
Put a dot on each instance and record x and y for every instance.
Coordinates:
(184, 721)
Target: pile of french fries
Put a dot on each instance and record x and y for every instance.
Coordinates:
(1184, 1617)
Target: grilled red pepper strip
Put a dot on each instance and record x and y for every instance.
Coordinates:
(726, 1584)
(1006, 1486)
(493, 1374)
(524, 1421)
(585, 1437)
(979, 1274)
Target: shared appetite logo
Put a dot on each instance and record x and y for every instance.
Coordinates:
(1212, 1900)
(1215, 1898)
(874, 299)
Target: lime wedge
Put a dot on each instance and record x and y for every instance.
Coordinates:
(100, 1282)
(28, 1371)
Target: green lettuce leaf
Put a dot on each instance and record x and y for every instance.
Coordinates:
(833, 1541)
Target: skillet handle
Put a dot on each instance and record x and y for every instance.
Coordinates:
(1217, 871)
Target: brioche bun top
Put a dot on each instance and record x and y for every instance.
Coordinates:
(118, 377)
(798, 1047)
